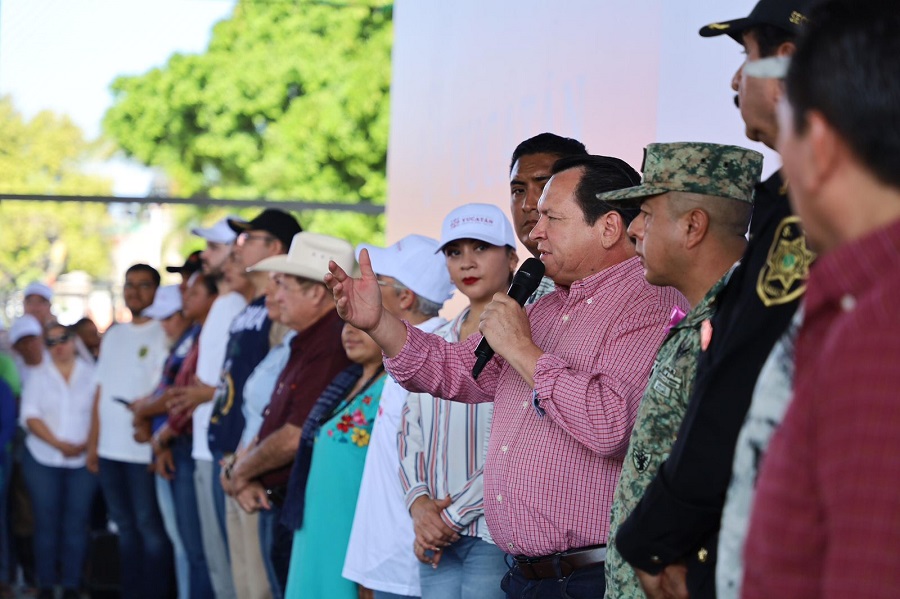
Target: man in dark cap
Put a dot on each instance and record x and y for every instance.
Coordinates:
(191, 265)
(671, 537)
(269, 234)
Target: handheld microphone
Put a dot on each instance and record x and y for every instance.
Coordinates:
(523, 285)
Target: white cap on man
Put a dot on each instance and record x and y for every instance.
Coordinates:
(24, 326)
(414, 262)
(40, 289)
(166, 302)
(219, 232)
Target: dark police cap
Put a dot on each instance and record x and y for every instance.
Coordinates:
(788, 15)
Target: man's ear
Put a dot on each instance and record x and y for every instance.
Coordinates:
(822, 151)
(786, 49)
(696, 225)
(319, 293)
(407, 299)
(612, 229)
(777, 85)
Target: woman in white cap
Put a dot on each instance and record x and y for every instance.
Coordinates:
(56, 411)
(443, 443)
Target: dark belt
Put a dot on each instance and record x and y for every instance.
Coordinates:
(560, 565)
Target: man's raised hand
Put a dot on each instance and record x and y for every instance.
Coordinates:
(358, 301)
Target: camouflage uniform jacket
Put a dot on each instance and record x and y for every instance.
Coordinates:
(659, 417)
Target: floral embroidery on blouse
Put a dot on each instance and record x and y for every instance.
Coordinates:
(360, 436)
(354, 423)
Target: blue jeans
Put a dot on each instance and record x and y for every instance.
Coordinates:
(61, 499)
(386, 595)
(166, 504)
(184, 495)
(586, 583)
(470, 567)
(275, 542)
(214, 546)
(144, 549)
(5, 471)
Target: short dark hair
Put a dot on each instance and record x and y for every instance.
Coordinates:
(154, 274)
(84, 320)
(208, 281)
(847, 67)
(601, 174)
(548, 143)
(769, 38)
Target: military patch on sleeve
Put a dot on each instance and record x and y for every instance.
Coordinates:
(783, 277)
(641, 458)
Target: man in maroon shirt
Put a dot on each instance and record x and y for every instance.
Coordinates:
(317, 356)
(825, 519)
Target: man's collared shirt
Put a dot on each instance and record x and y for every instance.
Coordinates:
(555, 451)
(662, 408)
(317, 356)
(825, 517)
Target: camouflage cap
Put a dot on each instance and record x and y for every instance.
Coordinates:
(695, 167)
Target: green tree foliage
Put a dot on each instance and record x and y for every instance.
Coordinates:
(46, 156)
(290, 101)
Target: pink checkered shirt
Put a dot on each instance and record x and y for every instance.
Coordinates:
(549, 479)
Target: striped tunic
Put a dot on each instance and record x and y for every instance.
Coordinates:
(442, 448)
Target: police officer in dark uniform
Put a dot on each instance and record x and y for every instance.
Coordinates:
(671, 536)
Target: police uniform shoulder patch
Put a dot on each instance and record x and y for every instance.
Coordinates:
(783, 277)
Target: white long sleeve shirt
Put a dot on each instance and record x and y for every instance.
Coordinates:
(65, 407)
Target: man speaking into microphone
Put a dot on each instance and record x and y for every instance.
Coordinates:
(566, 378)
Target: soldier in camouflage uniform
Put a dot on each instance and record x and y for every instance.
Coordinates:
(695, 202)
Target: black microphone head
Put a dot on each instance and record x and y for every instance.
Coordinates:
(531, 269)
(526, 280)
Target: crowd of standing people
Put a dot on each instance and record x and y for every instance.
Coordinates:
(697, 400)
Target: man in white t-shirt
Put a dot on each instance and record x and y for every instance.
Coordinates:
(414, 286)
(130, 366)
(234, 293)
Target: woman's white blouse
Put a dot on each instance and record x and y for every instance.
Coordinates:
(64, 407)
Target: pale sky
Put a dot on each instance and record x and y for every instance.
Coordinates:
(62, 55)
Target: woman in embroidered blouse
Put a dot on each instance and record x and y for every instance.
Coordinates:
(338, 457)
(442, 443)
(56, 411)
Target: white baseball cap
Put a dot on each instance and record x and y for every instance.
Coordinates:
(414, 262)
(38, 288)
(309, 256)
(166, 302)
(24, 326)
(484, 222)
(219, 232)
